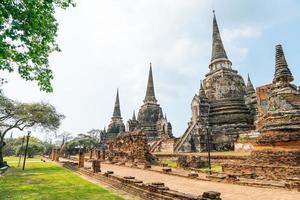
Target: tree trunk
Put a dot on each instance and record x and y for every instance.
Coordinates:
(1, 153)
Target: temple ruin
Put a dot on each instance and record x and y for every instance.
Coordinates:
(224, 107)
(150, 118)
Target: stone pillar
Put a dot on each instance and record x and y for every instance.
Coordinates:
(56, 158)
(211, 195)
(91, 154)
(81, 158)
(51, 155)
(96, 166)
(98, 154)
(103, 155)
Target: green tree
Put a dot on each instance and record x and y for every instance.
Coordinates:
(15, 115)
(28, 29)
(34, 148)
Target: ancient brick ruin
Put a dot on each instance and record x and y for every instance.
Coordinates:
(220, 107)
(277, 149)
(130, 147)
(55, 153)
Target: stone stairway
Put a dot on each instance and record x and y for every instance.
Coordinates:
(184, 137)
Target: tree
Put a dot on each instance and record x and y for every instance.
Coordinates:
(15, 115)
(34, 148)
(65, 137)
(95, 134)
(28, 29)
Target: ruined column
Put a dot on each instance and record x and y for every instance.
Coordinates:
(103, 155)
(51, 154)
(96, 166)
(81, 159)
(56, 158)
(91, 154)
(98, 154)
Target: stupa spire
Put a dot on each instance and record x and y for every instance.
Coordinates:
(249, 89)
(117, 110)
(133, 116)
(150, 95)
(282, 71)
(218, 50)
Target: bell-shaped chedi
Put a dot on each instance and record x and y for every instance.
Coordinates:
(220, 104)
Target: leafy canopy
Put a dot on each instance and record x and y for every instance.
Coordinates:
(28, 29)
(15, 115)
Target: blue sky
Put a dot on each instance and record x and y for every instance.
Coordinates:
(109, 44)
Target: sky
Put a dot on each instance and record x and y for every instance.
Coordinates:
(108, 44)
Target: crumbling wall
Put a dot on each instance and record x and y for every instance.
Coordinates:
(130, 147)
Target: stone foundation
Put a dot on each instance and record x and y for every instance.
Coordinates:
(149, 191)
(268, 172)
(277, 158)
(191, 162)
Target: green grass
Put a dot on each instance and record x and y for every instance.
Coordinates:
(214, 168)
(170, 163)
(47, 181)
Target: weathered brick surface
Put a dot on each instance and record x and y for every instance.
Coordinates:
(96, 165)
(191, 162)
(264, 171)
(276, 158)
(130, 147)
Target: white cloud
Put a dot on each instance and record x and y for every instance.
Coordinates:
(233, 40)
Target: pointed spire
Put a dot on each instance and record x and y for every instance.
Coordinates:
(218, 50)
(249, 88)
(282, 72)
(166, 117)
(133, 116)
(201, 91)
(150, 95)
(117, 111)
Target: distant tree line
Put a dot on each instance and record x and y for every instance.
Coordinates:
(14, 147)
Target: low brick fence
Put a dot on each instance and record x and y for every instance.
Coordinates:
(148, 191)
(289, 174)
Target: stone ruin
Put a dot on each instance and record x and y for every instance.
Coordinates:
(223, 107)
(81, 158)
(277, 149)
(130, 147)
(55, 153)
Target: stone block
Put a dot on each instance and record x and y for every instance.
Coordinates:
(193, 174)
(167, 169)
(96, 166)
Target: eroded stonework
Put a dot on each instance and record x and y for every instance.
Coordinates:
(223, 107)
(116, 125)
(151, 119)
(130, 147)
(277, 149)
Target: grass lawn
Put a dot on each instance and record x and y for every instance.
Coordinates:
(47, 181)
